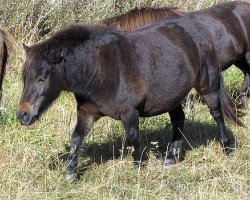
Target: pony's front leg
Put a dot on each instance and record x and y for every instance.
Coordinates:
(130, 122)
(83, 126)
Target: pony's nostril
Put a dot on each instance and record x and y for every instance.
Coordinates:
(24, 116)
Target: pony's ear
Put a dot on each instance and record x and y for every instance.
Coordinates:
(26, 48)
(56, 55)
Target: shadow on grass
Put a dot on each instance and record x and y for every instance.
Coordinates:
(156, 141)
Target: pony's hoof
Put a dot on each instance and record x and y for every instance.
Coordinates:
(72, 177)
(248, 103)
(137, 166)
(169, 162)
(228, 151)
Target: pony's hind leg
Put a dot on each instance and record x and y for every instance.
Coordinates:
(244, 66)
(177, 118)
(245, 91)
(212, 100)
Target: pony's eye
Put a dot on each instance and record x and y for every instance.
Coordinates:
(40, 80)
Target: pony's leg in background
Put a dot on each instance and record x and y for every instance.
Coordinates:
(83, 126)
(247, 79)
(177, 118)
(130, 122)
(244, 66)
(212, 100)
(245, 91)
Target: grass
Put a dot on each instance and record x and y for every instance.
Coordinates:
(32, 159)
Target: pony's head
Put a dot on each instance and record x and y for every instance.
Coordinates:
(42, 81)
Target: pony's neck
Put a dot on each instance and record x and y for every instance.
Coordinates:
(82, 82)
(89, 68)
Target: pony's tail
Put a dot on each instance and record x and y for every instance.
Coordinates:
(229, 108)
(5, 47)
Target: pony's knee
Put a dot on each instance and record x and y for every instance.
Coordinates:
(133, 138)
(216, 113)
(212, 100)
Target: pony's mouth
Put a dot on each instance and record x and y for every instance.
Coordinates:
(33, 119)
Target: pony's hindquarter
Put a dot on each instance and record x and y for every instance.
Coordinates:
(5, 47)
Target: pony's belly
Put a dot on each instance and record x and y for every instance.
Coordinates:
(167, 94)
(154, 107)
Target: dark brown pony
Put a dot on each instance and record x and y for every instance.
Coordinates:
(138, 18)
(226, 31)
(126, 75)
(5, 47)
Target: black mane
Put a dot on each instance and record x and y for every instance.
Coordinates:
(70, 37)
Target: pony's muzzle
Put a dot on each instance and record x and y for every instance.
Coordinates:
(26, 117)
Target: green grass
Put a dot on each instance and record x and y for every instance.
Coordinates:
(32, 159)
